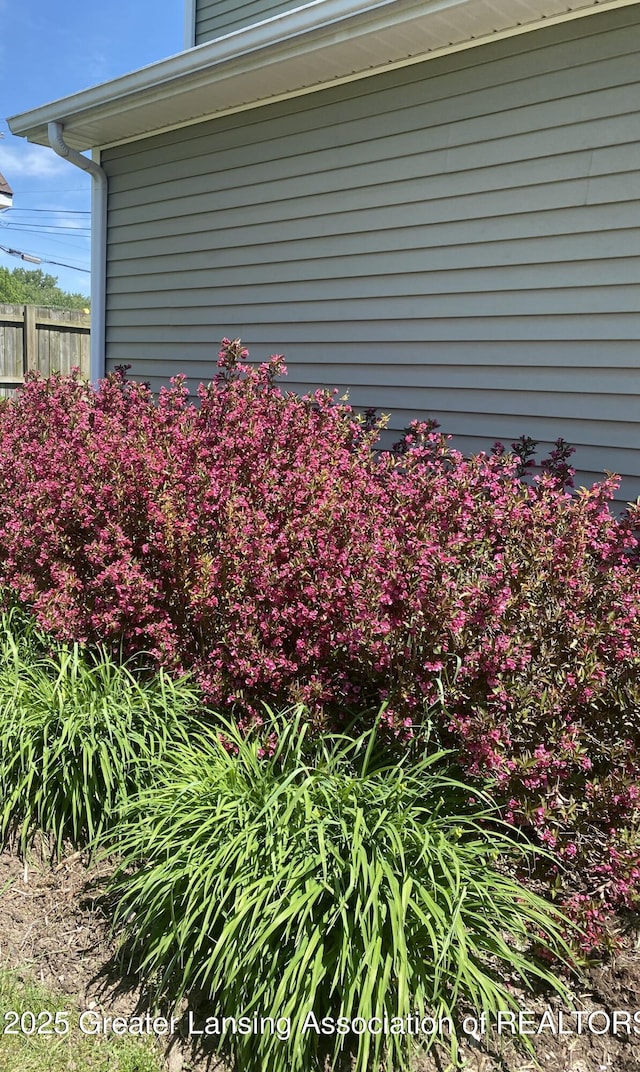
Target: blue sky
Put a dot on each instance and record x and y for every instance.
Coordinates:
(48, 51)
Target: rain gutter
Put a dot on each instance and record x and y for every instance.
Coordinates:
(322, 43)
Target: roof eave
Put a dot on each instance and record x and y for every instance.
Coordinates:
(316, 45)
(5, 190)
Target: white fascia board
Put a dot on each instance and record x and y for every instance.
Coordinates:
(319, 44)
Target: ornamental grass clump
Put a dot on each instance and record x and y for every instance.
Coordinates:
(324, 877)
(78, 735)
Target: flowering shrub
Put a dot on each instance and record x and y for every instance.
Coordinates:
(220, 538)
(261, 541)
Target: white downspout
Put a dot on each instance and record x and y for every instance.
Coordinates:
(98, 246)
(189, 24)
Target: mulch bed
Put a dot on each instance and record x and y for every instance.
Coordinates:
(53, 928)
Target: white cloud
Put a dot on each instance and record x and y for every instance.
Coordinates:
(30, 161)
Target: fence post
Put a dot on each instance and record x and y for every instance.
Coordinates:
(30, 340)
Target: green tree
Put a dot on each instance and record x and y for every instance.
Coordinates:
(23, 287)
(9, 288)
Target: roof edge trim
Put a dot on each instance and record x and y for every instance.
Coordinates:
(280, 39)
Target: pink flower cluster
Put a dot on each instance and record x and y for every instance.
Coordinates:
(264, 542)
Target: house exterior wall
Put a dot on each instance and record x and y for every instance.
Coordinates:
(459, 238)
(217, 17)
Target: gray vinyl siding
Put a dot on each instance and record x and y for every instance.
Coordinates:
(214, 18)
(460, 238)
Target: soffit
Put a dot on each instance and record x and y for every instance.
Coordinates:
(319, 44)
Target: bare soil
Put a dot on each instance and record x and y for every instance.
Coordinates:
(54, 928)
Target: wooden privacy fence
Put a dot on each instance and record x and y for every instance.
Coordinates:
(50, 340)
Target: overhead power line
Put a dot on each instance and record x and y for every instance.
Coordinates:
(35, 192)
(51, 211)
(47, 228)
(69, 231)
(61, 264)
(22, 256)
(33, 258)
